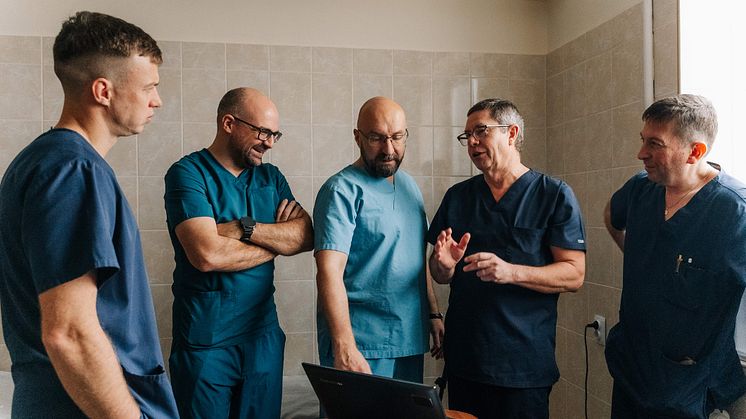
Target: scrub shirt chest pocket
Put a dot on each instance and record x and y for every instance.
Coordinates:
(527, 246)
(262, 203)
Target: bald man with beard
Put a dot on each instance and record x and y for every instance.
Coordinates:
(376, 301)
(229, 216)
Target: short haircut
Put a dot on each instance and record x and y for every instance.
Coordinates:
(504, 112)
(694, 118)
(232, 102)
(87, 42)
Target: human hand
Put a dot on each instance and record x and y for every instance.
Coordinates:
(288, 210)
(447, 253)
(350, 359)
(489, 268)
(437, 331)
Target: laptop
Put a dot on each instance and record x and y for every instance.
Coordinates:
(352, 395)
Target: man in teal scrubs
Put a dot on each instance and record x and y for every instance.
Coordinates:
(229, 216)
(375, 298)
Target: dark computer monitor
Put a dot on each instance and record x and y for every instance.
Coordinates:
(352, 395)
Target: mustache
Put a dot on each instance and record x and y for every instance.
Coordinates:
(386, 157)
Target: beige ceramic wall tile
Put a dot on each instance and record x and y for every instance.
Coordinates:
(598, 259)
(293, 153)
(451, 64)
(413, 62)
(555, 62)
(575, 371)
(150, 198)
(300, 266)
(488, 88)
(599, 131)
(579, 184)
(601, 39)
(450, 158)
(665, 12)
(302, 188)
(334, 147)
(441, 184)
(628, 25)
(557, 400)
(451, 100)
(123, 156)
(576, 312)
(159, 256)
(372, 61)
(577, 51)
(4, 358)
(198, 136)
(47, 57)
(530, 98)
(20, 49)
(599, 192)
(366, 86)
(201, 91)
(666, 59)
(555, 150)
(247, 57)
(20, 91)
(129, 187)
(255, 79)
(291, 92)
(574, 94)
(14, 136)
(332, 99)
(560, 349)
(52, 95)
(418, 157)
(414, 94)
(627, 123)
(203, 55)
(295, 305)
(169, 90)
(159, 145)
(555, 99)
(292, 59)
(163, 299)
(425, 183)
(490, 65)
(332, 60)
(171, 54)
(577, 152)
(299, 347)
(626, 70)
(534, 153)
(528, 67)
(598, 91)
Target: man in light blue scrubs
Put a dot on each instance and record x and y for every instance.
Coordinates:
(376, 303)
(229, 216)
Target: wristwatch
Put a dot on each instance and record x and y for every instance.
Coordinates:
(247, 224)
(434, 316)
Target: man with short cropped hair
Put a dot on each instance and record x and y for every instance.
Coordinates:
(77, 312)
(682, 227)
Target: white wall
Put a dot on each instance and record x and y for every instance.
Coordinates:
(568, 19)
(504, 26)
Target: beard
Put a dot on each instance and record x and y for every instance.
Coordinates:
(380, 166)
(242, 157)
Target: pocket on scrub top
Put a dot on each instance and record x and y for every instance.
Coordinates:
(152, 392)
(687, 288)
(528, 244)
(201, 316)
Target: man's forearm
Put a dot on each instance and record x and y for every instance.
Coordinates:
(232, 255)
(554, 278)
(439, 274)
(286, 238)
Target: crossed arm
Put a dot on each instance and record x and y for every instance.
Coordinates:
(565, 274)
(217, 247)
(80, 351)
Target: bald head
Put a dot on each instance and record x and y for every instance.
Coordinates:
(381, 114)
(245, 103)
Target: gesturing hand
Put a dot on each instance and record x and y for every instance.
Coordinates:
(447, 252)
(489, 267)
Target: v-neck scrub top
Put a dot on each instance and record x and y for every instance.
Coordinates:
(381, 227)
(219, 309)
(504, 335)
(683, 282)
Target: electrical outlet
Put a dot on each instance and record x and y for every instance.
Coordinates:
(600, 333)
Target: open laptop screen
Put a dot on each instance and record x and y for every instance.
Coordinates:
(346, 394)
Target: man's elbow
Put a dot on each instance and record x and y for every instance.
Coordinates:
(576, 282)
(202, 260)
(59, 340)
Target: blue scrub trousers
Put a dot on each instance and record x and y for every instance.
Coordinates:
(241, 381)
(495, 402)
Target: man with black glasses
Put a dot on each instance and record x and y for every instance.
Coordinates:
(229, 216)
(376, 301)
(522, 235)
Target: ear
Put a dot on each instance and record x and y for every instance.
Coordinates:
(356, 133)
(226, 123)
(102, 91)
(513, 134)
(698, 152)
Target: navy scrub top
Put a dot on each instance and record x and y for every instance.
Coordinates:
(219, 309)
(679, 311)
(62, 214)
(504, 335)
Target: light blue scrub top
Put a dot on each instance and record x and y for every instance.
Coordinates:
(381, 227)
(219, 309)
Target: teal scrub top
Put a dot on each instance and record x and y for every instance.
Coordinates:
(218, 309)
(381, 227)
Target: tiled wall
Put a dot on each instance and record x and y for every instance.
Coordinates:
(318, 92)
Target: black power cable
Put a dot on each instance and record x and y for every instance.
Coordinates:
(593, 326)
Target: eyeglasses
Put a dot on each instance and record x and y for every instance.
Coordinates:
(262, 134)
(375, 138)
(479, 133)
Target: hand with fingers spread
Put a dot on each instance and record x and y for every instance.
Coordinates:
(489, 267)
(447, 252)
(288, 210)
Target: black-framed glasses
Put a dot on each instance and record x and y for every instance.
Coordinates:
(375, 138)
(262, 134)
(479, 133)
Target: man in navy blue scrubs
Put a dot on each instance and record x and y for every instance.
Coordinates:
(523, 238)
(77, 312)
(229, 216)
(682, 227)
